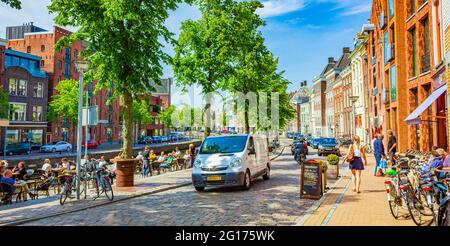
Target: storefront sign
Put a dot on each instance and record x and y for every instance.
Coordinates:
(311, 180)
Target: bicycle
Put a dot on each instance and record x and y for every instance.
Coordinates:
(69, 186)
(103, 184)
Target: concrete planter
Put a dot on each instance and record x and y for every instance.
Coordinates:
(125, 172)
(333, 171)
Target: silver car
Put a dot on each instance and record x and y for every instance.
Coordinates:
(231, 161)
(57, 147)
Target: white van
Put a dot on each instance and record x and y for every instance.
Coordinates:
(231, 161)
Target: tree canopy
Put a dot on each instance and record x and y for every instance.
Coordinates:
(4, 104)
(13, 3)
(125, 41)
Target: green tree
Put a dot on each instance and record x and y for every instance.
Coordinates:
(202, 55)
(4, 104)
(64, 104)
(13, 3)
(141, 114)
(166, 116)
(125, 46)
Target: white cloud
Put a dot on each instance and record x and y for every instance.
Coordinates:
(359, 9)
(280, 7)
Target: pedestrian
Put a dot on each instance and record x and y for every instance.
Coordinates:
(192, 154)
(378, 151)
(392, 146)
(145, 162)
(356, 157)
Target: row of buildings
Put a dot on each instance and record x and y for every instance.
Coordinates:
(30, 69)
(394, 78)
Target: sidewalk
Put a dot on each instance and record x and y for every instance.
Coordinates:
(47, 207)
(343, 207)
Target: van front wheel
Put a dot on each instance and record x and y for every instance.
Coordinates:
(247, 181)
(267, 175)
(199, 189)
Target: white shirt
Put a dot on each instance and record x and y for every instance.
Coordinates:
(47, 167)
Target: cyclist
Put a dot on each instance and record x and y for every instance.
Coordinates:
(300, 151)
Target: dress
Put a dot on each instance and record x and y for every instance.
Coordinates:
(357, 163)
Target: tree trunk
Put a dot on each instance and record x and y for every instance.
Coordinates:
(127, 132)
(247, 124)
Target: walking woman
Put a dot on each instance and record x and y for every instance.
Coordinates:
(356, 157)
(146, 169)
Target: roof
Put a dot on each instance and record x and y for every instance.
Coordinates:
(344, 61)
(21, 54)
(327, 68)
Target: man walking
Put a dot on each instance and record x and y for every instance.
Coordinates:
(378, 151)
(392, 146)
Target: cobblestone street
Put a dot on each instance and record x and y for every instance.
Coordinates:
(273, 202)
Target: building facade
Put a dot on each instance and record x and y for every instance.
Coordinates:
(445, 28)
(27, 87)
(319, 99)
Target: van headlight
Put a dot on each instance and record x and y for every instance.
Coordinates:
(237, 162)
(197, 163)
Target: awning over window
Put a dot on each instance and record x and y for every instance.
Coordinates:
(413, 118)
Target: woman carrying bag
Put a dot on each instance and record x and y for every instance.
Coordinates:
(356, 157)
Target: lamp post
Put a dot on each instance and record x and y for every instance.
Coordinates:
(354, 99)
(82, 67)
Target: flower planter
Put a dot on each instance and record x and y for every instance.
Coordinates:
(333, 171)
(125, 172)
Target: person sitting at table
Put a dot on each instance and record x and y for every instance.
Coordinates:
(152, 155)
(67, 165)
(47, 167)
(187, 157)
(4, 163)
(177, 153)
(168, 162)
(5, 177)
(19, 172)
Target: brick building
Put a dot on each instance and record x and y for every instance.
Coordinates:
(445, 30)
(27, 87)
(319, 100)
(60, 65)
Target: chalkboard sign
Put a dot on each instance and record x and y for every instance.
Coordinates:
(311, 180)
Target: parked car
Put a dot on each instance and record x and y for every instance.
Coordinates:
(145, 140)
(17, 149)
(328, 146)
(164, 139)
(156, 139)
(298, 136)
(57, 147)
(315, 143)
(290, 134)
(231, 161)
(35, 146)
(92, 144)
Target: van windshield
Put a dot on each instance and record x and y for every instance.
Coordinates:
(231, 144)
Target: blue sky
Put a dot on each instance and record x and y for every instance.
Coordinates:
(302, 33)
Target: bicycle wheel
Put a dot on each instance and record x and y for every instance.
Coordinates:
(394, 205)
(97, 188)
(415, 208)
(108, 189)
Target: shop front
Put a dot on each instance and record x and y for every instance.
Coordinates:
(431, 116)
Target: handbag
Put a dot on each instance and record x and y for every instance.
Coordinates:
(351, 155)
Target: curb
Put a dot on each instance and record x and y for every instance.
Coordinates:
(24, 221)
(302, 220)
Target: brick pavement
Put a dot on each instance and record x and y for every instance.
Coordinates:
(369, 208)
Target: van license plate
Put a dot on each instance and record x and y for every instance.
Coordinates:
(214, 178)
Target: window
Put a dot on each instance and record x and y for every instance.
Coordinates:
(38, 90)
(59, 64)
(413, 38)
(393, 80)
(426, 44)
(42, 48)
(17, 112)
(12, 86)
(411, 7)
(42, 63)
(391, 9)
(386, 48)
(37, 113)
(28, 49)
(22, 88)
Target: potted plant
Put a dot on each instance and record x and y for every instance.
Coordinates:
(324, 175)
(333, 171)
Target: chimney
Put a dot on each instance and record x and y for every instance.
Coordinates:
(346, 50)
(331, 60)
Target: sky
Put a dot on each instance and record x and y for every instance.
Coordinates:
(301, 33)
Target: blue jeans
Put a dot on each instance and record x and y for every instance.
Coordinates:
(377, 163)
(145, 169)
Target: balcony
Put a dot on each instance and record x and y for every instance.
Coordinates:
(425, 62)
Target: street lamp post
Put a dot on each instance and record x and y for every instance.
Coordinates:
(354, 99)
(82, 66)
